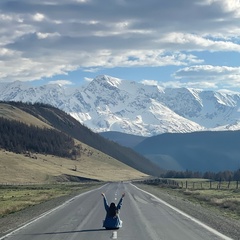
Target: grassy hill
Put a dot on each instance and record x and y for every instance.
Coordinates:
(67, 124)
(39, 168)
(98, 159)
(9, 111)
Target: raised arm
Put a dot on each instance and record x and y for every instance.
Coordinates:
(120, 202)
(105, 202)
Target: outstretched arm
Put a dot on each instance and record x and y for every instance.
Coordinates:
(120, 202)
(105, 202)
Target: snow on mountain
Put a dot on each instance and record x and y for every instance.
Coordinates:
(207, 108)
(112, 104)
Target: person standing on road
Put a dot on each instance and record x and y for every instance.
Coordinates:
(112, 219)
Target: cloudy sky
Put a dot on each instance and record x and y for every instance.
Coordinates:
(173, 43)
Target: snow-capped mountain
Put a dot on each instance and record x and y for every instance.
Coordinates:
(111, 104)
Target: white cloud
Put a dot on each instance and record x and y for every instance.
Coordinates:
(150, 82)
(53, 37)
(193, 42)
(38, 17)
(92, 70)
(4, 52)
(189, 84)
(61, 82)
(231, 6)
(209, 76)
(88, 79)
(46, 35)
(208, 71)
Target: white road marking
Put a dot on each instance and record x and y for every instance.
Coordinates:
(47, 213)
(114, 235)
(188, 216)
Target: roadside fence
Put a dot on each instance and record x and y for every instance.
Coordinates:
(193, 184)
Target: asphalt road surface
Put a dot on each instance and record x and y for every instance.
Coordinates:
(144, 217)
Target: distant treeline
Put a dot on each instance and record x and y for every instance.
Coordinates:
(218, 176)
(19, 138)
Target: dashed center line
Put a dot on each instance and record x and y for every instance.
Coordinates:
(114, 235)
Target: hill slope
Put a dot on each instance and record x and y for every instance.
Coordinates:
(124, 139)
(39, 168)
(51, 117)
(67, 124)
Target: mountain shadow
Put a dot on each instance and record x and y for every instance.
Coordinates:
(124, 139)
(197, 151)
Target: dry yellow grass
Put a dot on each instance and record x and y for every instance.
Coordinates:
(17, 168)
(15, 198)
(14, 113)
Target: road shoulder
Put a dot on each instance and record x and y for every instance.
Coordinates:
(215, 220)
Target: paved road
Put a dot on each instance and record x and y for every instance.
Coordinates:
(144, 218)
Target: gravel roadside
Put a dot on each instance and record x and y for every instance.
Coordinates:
(226, 226)
(18, 219)
(213, 219)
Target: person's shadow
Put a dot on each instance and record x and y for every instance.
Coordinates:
(66, 232)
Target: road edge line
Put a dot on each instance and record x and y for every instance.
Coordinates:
(186, 215)
(46, 213)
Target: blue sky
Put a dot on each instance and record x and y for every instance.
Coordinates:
(172, 43)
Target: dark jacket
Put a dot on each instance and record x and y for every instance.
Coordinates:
(112, 222)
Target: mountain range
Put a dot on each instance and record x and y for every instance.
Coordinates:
(111, 104)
